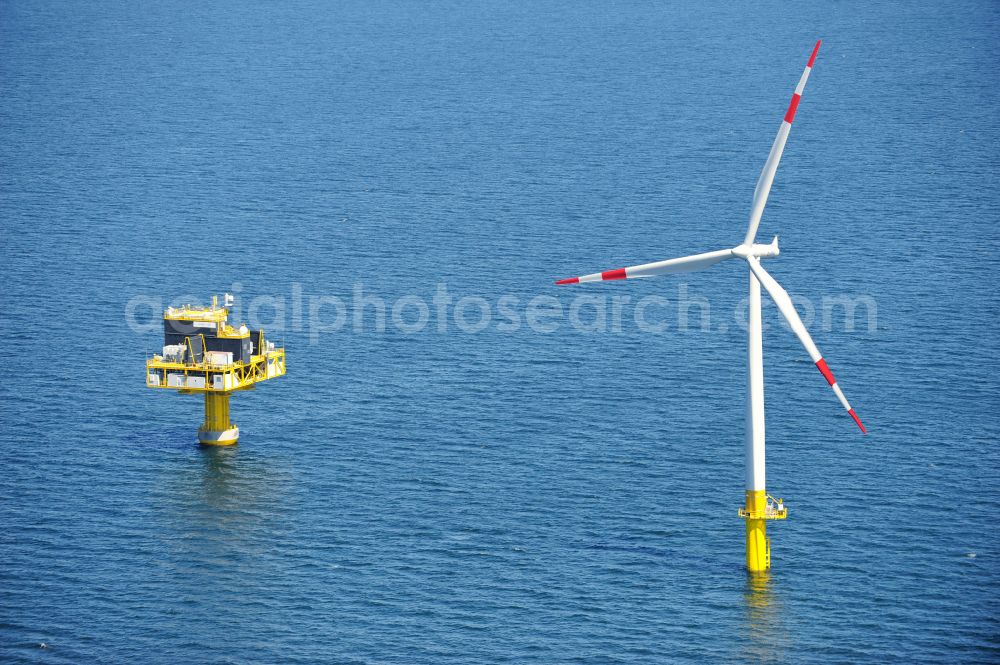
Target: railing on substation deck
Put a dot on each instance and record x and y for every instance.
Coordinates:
(244, 374)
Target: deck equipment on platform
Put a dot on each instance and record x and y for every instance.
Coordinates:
(759, 506)
(203, 353)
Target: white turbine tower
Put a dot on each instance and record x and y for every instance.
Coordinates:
(759, 506)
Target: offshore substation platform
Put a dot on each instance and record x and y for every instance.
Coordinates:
(202, 353)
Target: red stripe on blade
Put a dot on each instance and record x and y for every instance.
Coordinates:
(613, 274)
(790, 115)
(858, 421)
(812, 58)
(571, 280)
(821, 364)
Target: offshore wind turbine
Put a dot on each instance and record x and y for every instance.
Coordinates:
(759, 506)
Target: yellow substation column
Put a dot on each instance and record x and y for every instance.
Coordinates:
(217, 430)
(758, 547)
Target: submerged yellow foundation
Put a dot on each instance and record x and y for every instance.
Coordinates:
(758, 544)
(217, 430)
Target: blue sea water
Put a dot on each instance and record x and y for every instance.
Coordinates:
(499, 496)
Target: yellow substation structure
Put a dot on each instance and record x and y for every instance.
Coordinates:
(203, 353)
(759, 508)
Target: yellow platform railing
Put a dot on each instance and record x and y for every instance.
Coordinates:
(774, 509)
(242, 375)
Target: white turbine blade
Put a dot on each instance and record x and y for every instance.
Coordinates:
(670, 266)
(771, 165)
(784, 303)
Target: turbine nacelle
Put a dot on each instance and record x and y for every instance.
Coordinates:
(755, 249)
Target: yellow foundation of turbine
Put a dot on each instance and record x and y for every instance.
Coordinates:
(758, 544)
(217, 430)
